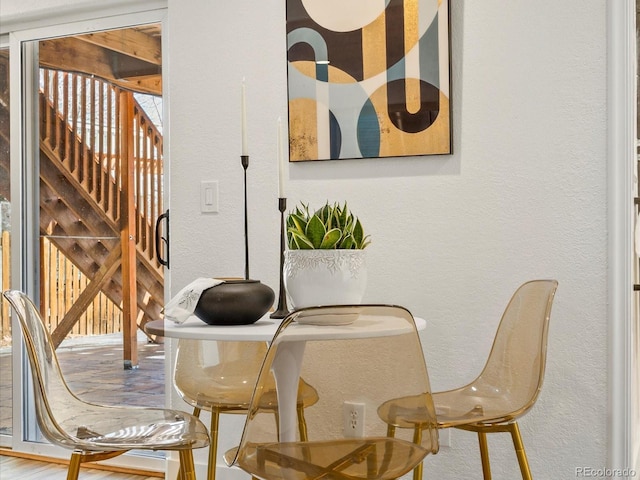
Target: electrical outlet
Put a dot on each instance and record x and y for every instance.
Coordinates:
(353, 417)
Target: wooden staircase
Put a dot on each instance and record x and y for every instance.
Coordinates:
(100, 182)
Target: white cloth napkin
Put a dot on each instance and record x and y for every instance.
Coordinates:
(181, 306)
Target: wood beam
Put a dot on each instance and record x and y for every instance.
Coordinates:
(73, 55)
(105, 272)
(129, 41)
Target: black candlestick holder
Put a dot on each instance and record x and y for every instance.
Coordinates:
(245, 165)
(282, 310)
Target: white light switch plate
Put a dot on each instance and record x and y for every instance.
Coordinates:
(209, 196)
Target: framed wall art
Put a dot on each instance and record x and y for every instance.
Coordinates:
(368, 78)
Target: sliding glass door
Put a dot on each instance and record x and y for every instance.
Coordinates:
(90, 189)
(100, 184)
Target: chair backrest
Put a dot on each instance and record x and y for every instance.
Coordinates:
(53, 400)
(514, 370)
(355, 368)
(218, 374)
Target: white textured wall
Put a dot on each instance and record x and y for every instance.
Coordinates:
(523, 196)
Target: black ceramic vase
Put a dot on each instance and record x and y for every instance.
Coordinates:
(234, 302)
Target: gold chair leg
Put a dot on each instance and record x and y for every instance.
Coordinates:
(74, 466)
(417, 439)
(302, 424)
(213, 446)
(187, 467)
(78, 458)
(484, 455)
(196, 413)
(391, 431)
(302, 429)
(520, 453)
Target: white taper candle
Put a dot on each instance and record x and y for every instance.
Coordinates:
(244, 119)
(281, 169)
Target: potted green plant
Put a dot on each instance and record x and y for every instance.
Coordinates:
(325, 261)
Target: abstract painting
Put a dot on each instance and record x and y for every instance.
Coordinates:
(368, 78)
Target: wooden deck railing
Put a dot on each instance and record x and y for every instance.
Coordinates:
(149, 173)
(63, 286)
(83, 130)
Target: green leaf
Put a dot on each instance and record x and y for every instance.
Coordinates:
(347, 242)
(315, 231)
(358, 232)
(343, 213)
(299, 222)
(327, 217)
(304, 212)
(331, 238)
(321, 213)
(299, 242)
(347, 229)
(335, 220)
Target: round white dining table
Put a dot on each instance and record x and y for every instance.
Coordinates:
(262, 330)
(286, 366)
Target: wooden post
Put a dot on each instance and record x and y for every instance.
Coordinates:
(128, 234)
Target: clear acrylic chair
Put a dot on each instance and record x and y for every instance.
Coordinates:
(97, 432)
(220, 377)
(355, 367)
(506, 389)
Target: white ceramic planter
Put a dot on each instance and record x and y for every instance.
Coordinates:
(324, 277)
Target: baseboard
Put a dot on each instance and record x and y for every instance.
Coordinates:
(94, 466)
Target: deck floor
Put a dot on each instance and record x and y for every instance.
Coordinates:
(94, 369)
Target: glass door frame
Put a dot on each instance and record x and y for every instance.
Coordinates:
(5, 440)
(623, 437)
(25, 202)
